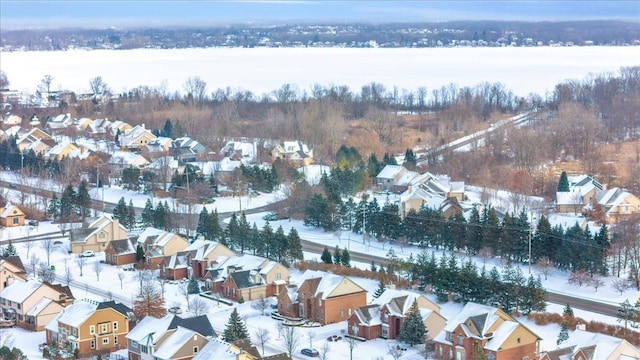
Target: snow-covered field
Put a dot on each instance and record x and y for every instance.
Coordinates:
(262, 70)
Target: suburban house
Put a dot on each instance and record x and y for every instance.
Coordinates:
(385, 315)
(582, 191)
(33, 304)
(120, 252)
(97, 235)
(585, 345)
(35, 140)
(618, 204)
(293, 151)
(11, 120)
(11, 269)
(206, 255)
(241, 151)
(11, 215)
(186, 149)
(90, 326)
(237, 350)
(59, 123)
(500, 336)
(247, 276)
(170, 337)
(121, 160)
(60, 151)
(394, 179)
(158, 243)
(135, 138)
(322, 297)
(176, 266)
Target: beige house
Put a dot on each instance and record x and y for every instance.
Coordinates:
(60, 151)
(582, 191)
(11, 269)
(293, 151)
(97, 235)
(618, 204)
(136, 138)
(121, 160)
(34, 135)
(11, 216)
(583, 345)
(158, 244)
(33, 304)
(206, 255)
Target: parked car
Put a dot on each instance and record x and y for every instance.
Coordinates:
(628, 313)
(88, 253)
(33, 222)
(175, 310)
(310, 352)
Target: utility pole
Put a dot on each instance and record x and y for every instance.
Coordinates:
(364, 218)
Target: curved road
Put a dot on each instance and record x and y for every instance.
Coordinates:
(599, 307)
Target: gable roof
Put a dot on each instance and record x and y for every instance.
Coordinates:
(390, 171)
(123, 246)
(121, 308)
(243, 279)
(369, 315)
(9, 209)
(596, 345)
(20, 290)
(77, 313)
(326, 285)
(154, 328)
(14, 260)
(168, 348)
(217, 349)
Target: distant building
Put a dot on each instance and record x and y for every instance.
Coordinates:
(11, 216)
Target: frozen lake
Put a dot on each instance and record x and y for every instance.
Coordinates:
(262, 70)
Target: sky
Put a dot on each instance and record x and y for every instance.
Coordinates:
(118, 13)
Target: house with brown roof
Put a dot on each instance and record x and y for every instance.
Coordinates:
(321, 297)
(499, 335)
(585, 345)
(11, 216)
(97, 235)
(176, 266)
(385, 315)
(90, 326)
(120, 252)
(11, 269)
(248, 277)
(33, 304)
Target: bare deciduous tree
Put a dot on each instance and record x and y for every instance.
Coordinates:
(352, 345)
(324, 351)
(261, 304)
(45, 273)
(98, 86)
(544, 264)
(395, 352)
(121, 277)
(262, 336)
(47, 246)
(183, 289)
(199, 306)
(81, 260)
(620, 285)
(97, 268)
(290, 339)
(68, 276)
(196, 89)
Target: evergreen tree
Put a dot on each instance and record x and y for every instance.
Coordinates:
(148, 214)
(244, 230)
(67, 201)
(568, 311)
(326, 256)
(381, 288)
(193, 287)
(139, 253)
(160, 216)
(563, 184)
(413, 329)
(203, 220)
(280, 245)
(410, 160)
(167, 130)
(564, 334)
(121, 213)
(54, 208)
(83, 200)
(346, 258)
(295, 246)
(235, 329)
(131, 214)
(267, 236)
(337, 256)
(233, 231)
(10, 250)
(478, 353)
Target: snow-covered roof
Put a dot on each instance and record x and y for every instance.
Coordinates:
(173, 343)
(8, 210)
(127, 158)
(242, 262)
(390, 171)
(133, 134)
(19, 290)
(150, 329)
(605, 345)
(579, 186)
(404, 298)
(369, 315)
(39, 306)
(77, 313)
(217, 349)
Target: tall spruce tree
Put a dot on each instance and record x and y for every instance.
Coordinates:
(131, 214)
(563, 184)
(235, 329)
(121, 213)
(345, 260)
(148, 214)
(203, 220)
(326, 256)
(54, 208)
(381, 288)
(413, 329)
(564, 334)
(83, 200)
(337, 255)
(295, 246)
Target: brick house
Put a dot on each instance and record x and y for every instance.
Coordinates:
(583, 344)
(258, 277)
(120, 252)
(323, 298)
(500, 336)
(91, 326)
(384, 317)
(176, 266)
(206, 256)
(158, 243)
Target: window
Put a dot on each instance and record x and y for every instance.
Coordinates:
(115, 339)
(449, 336)
(75, 331)
(342, 314)
(460, 338)
(134, 344)
(19, 306)
(102, 235)
(105, 341)
(195, 349)
(278, 276)
(491, 356)
(115, 325)
(92, 329)
(104, 328)
(319, 301)
(15, 221)
(92, 344)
